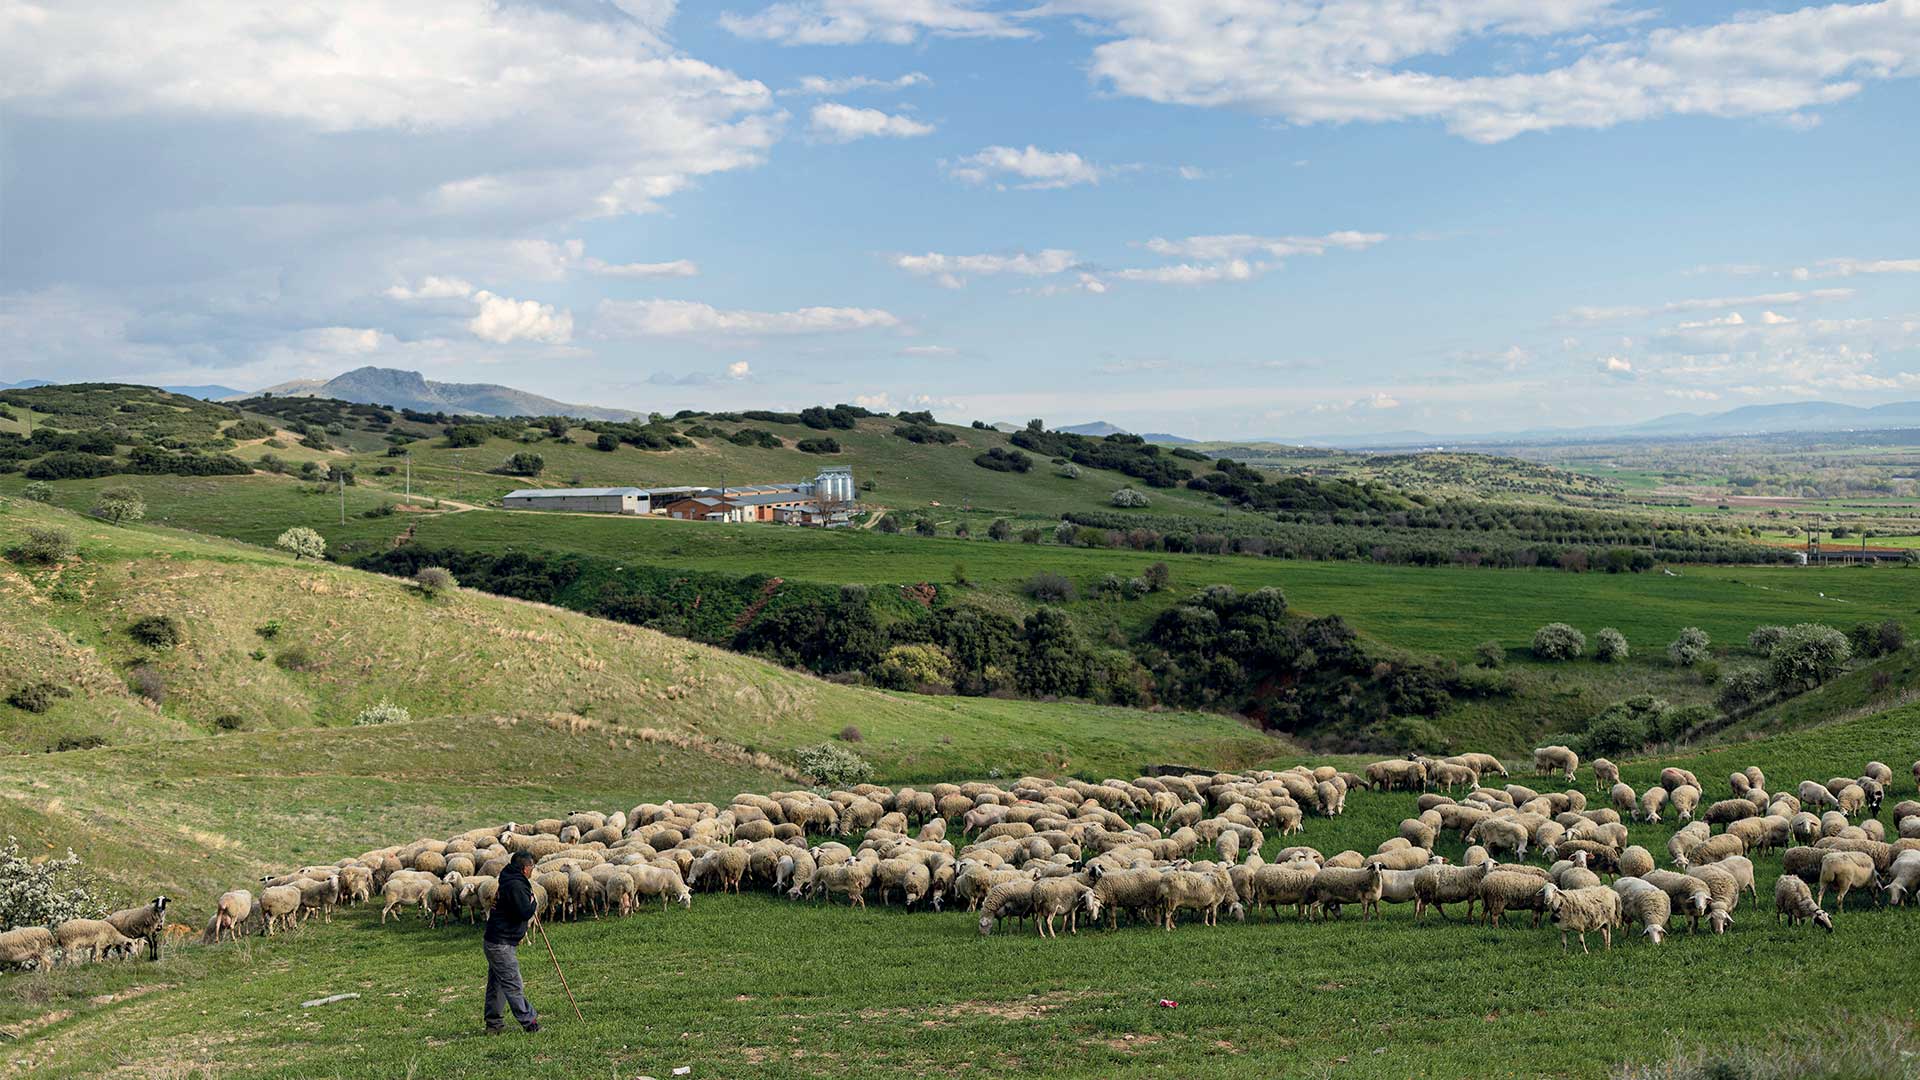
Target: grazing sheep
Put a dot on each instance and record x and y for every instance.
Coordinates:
(1852, 799)
(1728, 811)
(1635, 862)
(1643, 903)
(1484, 764)
(1605, 774)
(1192, 890)
(1688, 895)
(1009, 900)
(1389, 775)
(1903, 878)
(1334, 886)
(1624, 799)
(27, 944)
(1916, 774)
(1055, 897)
(1502, 834)
(144, 923)
(1406, 858)
(281, 903)
(1672, 777)
(1438, 885)
(233, 908)
(96, 937)
(1711, 850)
(1815, 794)
(1441, 773)
(1685, 799)
(1548, 760)
(1792, 898)
(1739, 784)
(652, 881)
(1504, 890)
(845, 879)
(1140, 892)
(1845, 871)
(1723, 895)
(1650, 803)
(1688, 838)
(1581, 910)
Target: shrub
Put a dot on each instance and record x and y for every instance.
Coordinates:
(120, 505)
(1158, 577)
(1003, 460)
(832, 766)
(524, 463)
(37, 697)
(1609, 646)
(248, 429)
(607, 442)
(462, 435)
(1623, 727)
(1030, 536)
(1764, 638)
(303, 542)
(1489, 654)
(1068, 471)
(43, 545)
(1872, 640)
(269, 629)
(157, 631)
(38, 491)
(148, 683)
(230, 722)
(1684, 720)
(1558, 641)
(1065, 533)
(1137, 587)
(384, 713)
(1742, 690)
(71, 465)
(1806, 656)
(925, 527)
(1843, 1048)
(889, 525)
(850, 733)
(1049, 587)
(910, 667)
(1129, 497)
(433, 580)
(818, 446)
(1691, 647)
(41, 892)
(1001, 529)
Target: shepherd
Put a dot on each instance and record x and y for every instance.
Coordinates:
(513, 907)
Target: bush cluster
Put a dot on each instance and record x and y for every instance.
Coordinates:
(43, 892)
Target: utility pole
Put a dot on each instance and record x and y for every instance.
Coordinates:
(341, 474)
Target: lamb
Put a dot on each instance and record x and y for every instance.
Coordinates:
(1645, 904)
(1903, 878)
(144, 923)
(1581, 910)
(1438, 885)
(1548, 760)
(1605, 773)
(96, 937)
(27, 944)
(1503, 890)
(1812, 793)
(1009, 900)
(1844, 871)
(233, 908)
(1334, 886)
(1650, 803)
(1688, 895)
(1792, 898)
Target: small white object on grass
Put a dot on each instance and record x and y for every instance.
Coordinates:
(327, 1000)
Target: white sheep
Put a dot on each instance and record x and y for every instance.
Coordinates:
(1792, 898)
(1645, 904)
(233, 908)
(1505, 890)
(1605, 774)
(96, 937)
(1581, 910)
(1437, 885)
(1335, 886)
(27, 944)
(1650, 803)
(1845, 871)
(1903, 877)
(1548, 760)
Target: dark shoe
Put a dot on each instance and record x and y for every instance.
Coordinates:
(491, 1030)
(533, 1027)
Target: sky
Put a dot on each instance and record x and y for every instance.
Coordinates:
(1217, 218)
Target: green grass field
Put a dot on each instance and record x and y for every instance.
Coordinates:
(752, 986)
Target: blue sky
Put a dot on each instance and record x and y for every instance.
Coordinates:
(1215, 217)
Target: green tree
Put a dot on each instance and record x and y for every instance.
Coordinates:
(303, 542)
(1558, 641)
(1691, 647)
(525, 463)
(38, 491)
(1806, 656)
(1001, 529)
(1610, 646)
(120, 505)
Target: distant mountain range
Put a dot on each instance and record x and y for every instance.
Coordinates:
(408, 390)
(1811, 416)
(208, 393)
(1100, 429)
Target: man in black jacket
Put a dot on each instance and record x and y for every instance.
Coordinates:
(512, 909)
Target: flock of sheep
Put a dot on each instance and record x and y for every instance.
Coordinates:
(1064, 851)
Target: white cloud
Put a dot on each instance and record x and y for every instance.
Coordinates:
(877, 402)
(1279, 247)
(553, 261)
(433, 288)
(1031, 169)
(844, 123)
(952, 271)
(1729, 319)
(930, 351)
(1336, 61)
(688, 318)
(1692, 395)
(1832, 268)
(503, 319)
(739, 369)
(824, 86)
(1615, 365)
(850, 22)
(1188, 273)
(1773, 318)
(1192, 172)
(1714, 303)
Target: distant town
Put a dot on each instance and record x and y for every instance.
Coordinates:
(827, 501)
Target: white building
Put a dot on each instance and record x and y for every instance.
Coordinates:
(616, 500)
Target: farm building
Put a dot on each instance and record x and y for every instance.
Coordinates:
(705, 508)
(616, 500)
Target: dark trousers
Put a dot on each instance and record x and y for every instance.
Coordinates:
(503, 987)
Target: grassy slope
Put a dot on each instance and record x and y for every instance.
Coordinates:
(755, 987)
